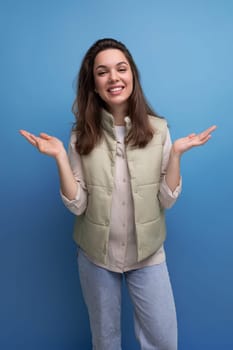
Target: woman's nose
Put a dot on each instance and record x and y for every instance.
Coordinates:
(113, 76)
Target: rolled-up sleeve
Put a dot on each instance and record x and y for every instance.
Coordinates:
(77, 205)
(167, 197)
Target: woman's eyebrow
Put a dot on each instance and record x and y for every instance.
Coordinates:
(122, 62)
(118, 64)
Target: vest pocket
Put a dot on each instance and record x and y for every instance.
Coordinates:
(146, 202)
(99, 205)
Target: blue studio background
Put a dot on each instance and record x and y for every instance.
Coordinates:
(184, 52)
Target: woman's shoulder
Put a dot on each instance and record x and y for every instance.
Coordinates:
(73, 137)
(158, 122)
(160, 126)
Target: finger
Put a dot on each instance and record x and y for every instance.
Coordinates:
(208, 131)
(201, 141)
(211, 128)
(29, 137)
(191, 135)
(23, 132)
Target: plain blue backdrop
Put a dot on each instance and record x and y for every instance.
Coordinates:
(184, 52)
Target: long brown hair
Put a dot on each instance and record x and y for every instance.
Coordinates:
(87, 105)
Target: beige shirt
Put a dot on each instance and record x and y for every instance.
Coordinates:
(122, 252)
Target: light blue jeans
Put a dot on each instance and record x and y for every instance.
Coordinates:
(154, 310)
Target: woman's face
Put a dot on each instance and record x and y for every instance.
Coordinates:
(113, 78)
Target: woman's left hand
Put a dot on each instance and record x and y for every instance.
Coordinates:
(185, 143)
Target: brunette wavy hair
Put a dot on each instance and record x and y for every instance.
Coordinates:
(88, 104)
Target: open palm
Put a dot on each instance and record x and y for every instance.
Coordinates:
(45, 143)
(185, 143)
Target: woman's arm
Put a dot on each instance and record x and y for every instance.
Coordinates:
(178, 148)
(167, 197)
(53, 147)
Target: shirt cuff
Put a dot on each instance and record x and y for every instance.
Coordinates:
(166, 196)
(71, 201)
(173, 194)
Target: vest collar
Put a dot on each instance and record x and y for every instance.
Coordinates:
(107, 122)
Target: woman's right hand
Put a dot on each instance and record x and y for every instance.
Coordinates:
(45, 143)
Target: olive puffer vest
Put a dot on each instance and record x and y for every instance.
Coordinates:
(92, 228)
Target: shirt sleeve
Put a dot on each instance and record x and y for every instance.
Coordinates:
(166, 197)
(77, 205)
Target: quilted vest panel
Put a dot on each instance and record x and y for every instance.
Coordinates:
(91, 230)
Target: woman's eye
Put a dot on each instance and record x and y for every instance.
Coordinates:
(122, 70)
(101, 73)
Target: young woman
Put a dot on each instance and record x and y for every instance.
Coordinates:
(119, 175)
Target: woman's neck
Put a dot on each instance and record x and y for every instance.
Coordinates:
(119, 116)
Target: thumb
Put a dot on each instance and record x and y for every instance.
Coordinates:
(45, 136)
